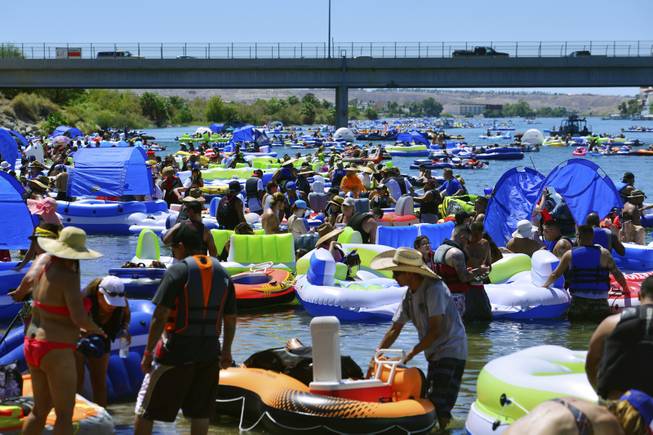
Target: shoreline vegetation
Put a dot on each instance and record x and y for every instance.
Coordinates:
(41, 110)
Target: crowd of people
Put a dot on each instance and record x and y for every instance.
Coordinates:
(69, 327)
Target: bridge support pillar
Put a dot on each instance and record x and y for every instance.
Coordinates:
(342, 106)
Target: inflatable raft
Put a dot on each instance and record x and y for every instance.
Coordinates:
(391, 402)
(263, 287)
(637, 258)
(88, 417)
(510, 386)
(407, 151)
(619, 299)
(106, 217)
(124, 376)
(9, 280)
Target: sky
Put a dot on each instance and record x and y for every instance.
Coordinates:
(84, 21)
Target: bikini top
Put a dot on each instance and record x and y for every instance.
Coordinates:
(60, 310)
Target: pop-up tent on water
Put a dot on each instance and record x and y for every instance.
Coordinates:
(110, 172)
(413, 136)
(15, 219)
(249, 133)
(583, 185)
(22, 141)
(512, 200)
(64, 130)
(216, 128)
(8, 148)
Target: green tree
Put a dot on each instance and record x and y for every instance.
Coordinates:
(371, 113)
(215, 109)
(630, 107)
(155, 107)
(430, 107)
(11, 51)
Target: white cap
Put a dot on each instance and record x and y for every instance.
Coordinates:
(113, 290)
(349, 202)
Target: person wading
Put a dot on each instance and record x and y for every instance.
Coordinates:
(621, 349)
(193, 209)
(451, 264)
(183, 356)
(603, 236)
(51, 338)
(588, 279)
(442, 338)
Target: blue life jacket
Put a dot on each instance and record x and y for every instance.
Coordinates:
(550, 244)
(586, 276)
(603, 237)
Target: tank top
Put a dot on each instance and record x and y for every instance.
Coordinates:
(448, 273)
(357, 221)
(628, 352)
(226, 214)
(429, 207)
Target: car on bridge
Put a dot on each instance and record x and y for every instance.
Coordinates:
(479, 51)
(116, 55)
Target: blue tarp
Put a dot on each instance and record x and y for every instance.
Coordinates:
(15, 219)
(585, 188)
(64, 130)
(249, 134)
(8, 148)
(512, 200)
(110, 172)
(216, 128)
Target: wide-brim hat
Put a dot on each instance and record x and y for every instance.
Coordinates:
(36, 164)
(351, 168)
(35, 183)
(403, 260)
(70, 245)
(194, 195)
(524, 230)
(288, 162)
(366, 169)
(337, 200)
(327, 232)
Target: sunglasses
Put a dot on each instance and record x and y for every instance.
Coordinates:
(112, 294)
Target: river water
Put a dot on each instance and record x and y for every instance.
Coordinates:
(486, 342)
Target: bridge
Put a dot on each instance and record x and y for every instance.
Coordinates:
(339, 66)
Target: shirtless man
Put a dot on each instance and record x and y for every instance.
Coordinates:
(478, 248)
(270, 219)
(631, 227)
(522, 241)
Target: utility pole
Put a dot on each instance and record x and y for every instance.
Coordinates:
(329, 41)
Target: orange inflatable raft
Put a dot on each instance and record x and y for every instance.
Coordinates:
(282, 404)
(264, 288)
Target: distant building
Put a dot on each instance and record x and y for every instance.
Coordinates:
(473, 109)
(646, 96)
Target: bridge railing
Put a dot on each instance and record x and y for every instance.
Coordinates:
(320, 50)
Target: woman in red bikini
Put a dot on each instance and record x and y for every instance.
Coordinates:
(57, 317)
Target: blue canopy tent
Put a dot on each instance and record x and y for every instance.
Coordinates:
(411, 137)
(584, 187)
(216, 128)
(249, 134)
(19, 137)
(513, 198)
(64, 130)
(8, 148)
(15, 219)
(110, 172)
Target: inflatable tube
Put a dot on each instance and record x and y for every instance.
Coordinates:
(500, 156)
(351, 301)
(102, 217)
(637, 258)
(527, 378)
(520, 299)
(248, 250)
(283, 404)
(397, 220)
(124, 375)
(88, 417)
(262, 289)
(9, 281)
(618, 299)
(366, 252)
(397, 236)
(508, 266)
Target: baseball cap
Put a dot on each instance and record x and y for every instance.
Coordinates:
(349, 202)
(300, 204)
(113, 290)
(234, 186)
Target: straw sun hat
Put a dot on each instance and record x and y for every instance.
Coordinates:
(71, 245)
(327, 232)
(403, 260)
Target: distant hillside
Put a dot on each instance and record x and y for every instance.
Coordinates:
(586, 104)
